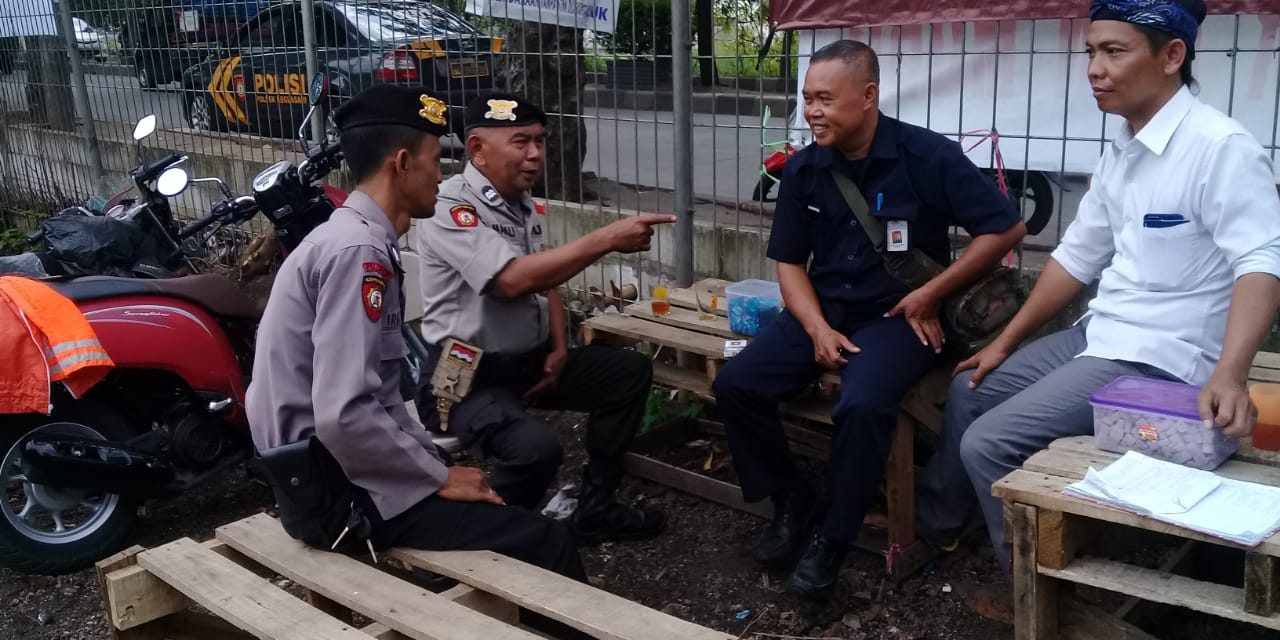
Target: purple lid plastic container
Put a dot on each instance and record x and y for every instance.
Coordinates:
(1175, 399)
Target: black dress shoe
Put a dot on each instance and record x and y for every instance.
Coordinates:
(780, 544)
(818, 571)
(618, 523)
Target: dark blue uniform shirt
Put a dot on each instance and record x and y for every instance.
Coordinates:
(913, 174)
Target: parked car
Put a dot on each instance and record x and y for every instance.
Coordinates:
(93, 42)
(163, 39)
(258, 82)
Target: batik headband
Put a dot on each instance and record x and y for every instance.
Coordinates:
(1162, 15)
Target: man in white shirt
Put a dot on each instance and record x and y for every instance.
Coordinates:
(1182, 223)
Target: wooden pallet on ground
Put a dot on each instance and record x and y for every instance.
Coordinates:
(697, 335)
(1049, 530)
(149, 594)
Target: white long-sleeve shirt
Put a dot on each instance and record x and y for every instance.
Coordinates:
(1174, 216)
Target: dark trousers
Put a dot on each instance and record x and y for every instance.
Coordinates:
(436, 524)
(609, 384)
(777, 366)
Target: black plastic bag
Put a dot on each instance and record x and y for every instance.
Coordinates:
(92, 245)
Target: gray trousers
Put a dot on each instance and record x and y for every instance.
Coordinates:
(1041, 393)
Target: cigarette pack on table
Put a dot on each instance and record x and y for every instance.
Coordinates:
(1158, 418)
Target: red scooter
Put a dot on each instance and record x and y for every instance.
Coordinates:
(171, 414)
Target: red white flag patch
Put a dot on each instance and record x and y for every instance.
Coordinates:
(462, 355)
(372, 292)
(464, 215)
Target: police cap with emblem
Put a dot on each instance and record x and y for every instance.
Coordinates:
(394, 105)
(503, 110)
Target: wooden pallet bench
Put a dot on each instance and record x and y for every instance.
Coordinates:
(149, 594)
(698, 339)
(1049, 531)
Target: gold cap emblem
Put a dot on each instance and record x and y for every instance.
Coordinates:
(501, 110)
(433, 109)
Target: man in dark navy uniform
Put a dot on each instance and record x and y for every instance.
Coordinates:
(844, 311)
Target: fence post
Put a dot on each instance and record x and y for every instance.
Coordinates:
(81, 94)
(682, 94)
(313, 65)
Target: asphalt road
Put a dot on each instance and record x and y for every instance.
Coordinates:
(631, 147)
(627, 146)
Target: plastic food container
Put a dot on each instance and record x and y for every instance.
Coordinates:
(753, 304)
(1160, 419)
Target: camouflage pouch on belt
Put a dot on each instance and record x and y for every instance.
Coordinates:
(973, 317)
(455, 371)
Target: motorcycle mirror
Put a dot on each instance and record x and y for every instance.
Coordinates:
(319, 89)
(172, 182)
(145, 127)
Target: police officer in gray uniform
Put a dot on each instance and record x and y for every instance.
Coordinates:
(327, 370)
(488, 281)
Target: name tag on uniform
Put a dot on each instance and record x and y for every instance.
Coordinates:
(896, 235)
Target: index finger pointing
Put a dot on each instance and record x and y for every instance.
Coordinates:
(657, 219)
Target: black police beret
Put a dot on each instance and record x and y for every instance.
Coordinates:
(390, 104)
(503, 110)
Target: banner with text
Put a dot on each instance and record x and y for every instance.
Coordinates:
(598, 15)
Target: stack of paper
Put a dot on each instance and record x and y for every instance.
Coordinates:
(1242, 512)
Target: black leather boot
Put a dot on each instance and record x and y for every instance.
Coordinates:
(781, 543)
(599, 516)
(818, 571)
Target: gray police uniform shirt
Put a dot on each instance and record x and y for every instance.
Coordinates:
(328, 360)
(474, 234)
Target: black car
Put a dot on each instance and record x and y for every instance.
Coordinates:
(258, 83)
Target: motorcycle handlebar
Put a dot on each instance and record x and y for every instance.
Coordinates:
(153, 170)
(324, 159)
(233, 211)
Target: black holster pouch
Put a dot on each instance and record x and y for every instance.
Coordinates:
(316, 501)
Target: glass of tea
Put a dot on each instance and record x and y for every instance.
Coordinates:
(1266, 435)
(661, 306)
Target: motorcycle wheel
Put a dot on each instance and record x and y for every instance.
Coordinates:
(52, 531)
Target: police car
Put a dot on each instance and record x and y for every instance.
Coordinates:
(258, 83)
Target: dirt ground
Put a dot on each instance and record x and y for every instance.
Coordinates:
(699, 570)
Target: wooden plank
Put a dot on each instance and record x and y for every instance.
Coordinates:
(1206, 597)
(1168, 566)
(1261, 584)
(900, 485)
(1267, 360)
(233, 593)
(686, 298)
(331, 607)
(135, 597)
(1080, 449)
(681, 378)
(690, 319)
(352, 584)
(1045, 491)
(124, 561)
(1061, 536)
(483, 602)
(729, 495)
(597, 613)
(380, 631)
(1250, 453)
(645, 331)
(1035, 596)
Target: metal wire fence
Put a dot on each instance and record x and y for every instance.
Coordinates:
(639, 120)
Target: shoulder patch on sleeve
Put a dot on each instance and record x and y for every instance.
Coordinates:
(464, 215)
(378, 269)
(372, 290)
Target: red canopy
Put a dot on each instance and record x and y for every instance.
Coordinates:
(822, 14)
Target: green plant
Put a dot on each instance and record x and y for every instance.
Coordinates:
(643, 29)
(661, 407)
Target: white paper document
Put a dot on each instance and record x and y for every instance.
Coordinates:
(1242, 512)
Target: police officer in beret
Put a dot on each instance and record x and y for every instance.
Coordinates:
(327, 370)
(488, 281)
(845, 310)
